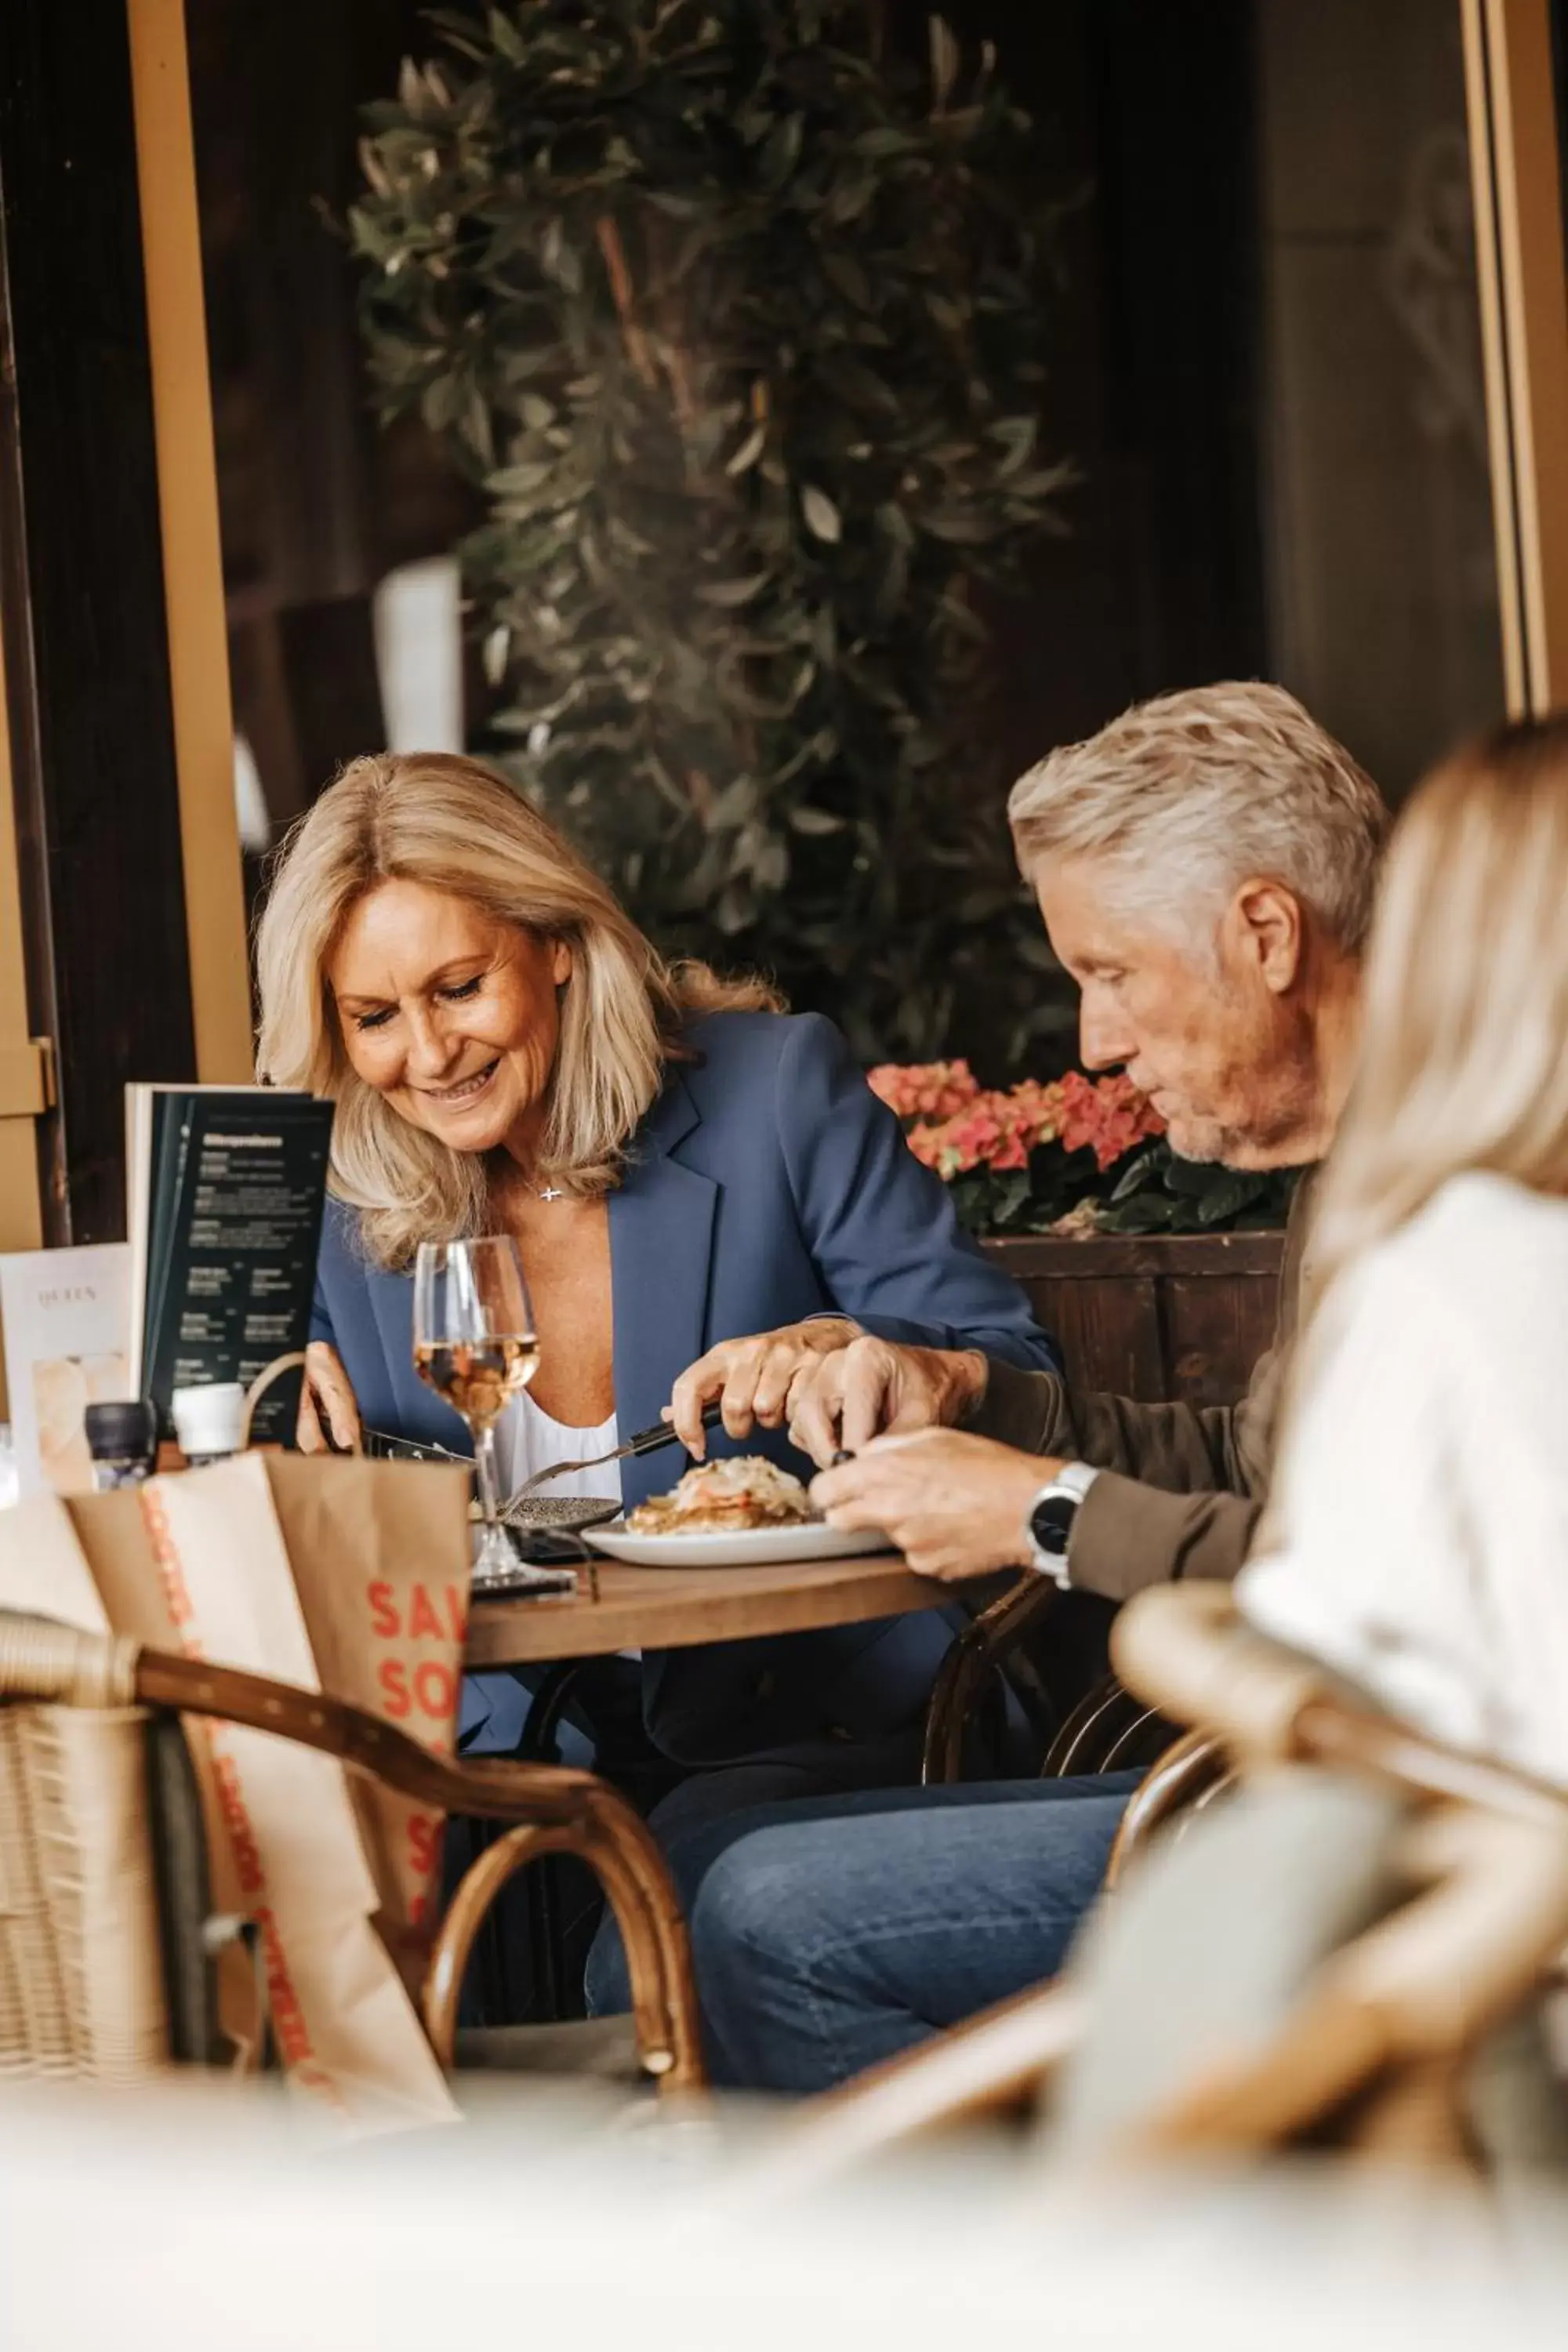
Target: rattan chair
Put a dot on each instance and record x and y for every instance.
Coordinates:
(993, 1645)
(106, 1934)
(1332, 1959)
(1106, 1731)
(1184, 1780)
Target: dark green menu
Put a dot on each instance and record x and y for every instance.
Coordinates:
(228, 1189)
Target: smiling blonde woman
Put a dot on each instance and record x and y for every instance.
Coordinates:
(515, 891)
(682, 1164)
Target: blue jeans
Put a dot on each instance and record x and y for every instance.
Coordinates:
(831, 1933)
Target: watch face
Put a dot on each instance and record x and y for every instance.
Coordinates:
(1051, 1523)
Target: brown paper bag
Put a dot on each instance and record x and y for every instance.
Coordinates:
(381, 1554)
(110, 1538)
(341, 1575)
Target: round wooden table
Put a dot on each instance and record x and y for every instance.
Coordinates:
(620, 1608)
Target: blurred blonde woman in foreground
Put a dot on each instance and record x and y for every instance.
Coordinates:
(1420, 1512)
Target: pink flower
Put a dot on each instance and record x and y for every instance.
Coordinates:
(954, 1127)
(1108, 1116)
(1037, 1111)
(953, 1146)
(976, 1133)
(929, 1145)
(929, 1090)
(996, 1130)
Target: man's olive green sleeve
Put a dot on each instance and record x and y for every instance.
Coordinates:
(1181, 1489)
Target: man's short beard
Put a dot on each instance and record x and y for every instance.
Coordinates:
(1249, 1148)
(1204, 1143)
(1280, 1102)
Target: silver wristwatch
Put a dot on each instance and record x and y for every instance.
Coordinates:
(1048, 1526)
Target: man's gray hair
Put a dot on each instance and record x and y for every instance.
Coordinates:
(1193, 792)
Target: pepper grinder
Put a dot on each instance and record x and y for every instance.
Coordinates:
(122, 1439)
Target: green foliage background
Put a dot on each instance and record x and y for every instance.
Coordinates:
(1148, 1192)
(740, 329)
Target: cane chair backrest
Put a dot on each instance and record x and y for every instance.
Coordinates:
(1349, 1951)
(81, 1990)
(1331, 1951)
(107, 1969)
(101, 1852)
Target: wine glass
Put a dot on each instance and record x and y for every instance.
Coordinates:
(475, 1344)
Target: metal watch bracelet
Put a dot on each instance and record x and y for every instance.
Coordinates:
(1049, 1522)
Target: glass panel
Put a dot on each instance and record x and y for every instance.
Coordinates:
(1265, 361)
(1377, 503)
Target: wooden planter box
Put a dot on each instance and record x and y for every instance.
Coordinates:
(1184, 1316)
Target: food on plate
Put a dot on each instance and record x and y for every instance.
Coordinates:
(741, 1491)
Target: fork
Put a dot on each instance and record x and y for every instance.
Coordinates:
(646, 1441)
(380, 1442)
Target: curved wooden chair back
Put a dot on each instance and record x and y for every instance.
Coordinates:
(1185, 1778)
(1108, 1731)
(1373, 2048)
(65, 1693)
(1105, 1731)
(1374, 2052)
(992, 1643)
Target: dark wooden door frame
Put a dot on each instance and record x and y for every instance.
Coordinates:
(81, 600)
(1514, 74)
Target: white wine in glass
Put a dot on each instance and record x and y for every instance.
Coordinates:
(475, 1344)
(479, 1378)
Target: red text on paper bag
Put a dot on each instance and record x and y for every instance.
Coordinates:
(380, 1553)
(418, 1637)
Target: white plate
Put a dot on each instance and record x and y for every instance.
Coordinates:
(735, 1548)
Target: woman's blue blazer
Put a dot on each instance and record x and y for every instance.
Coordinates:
(767, 1183)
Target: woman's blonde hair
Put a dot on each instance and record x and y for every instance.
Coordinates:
(436, 818)
(1463, 1052)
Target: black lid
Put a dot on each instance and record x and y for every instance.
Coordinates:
(123, 1432)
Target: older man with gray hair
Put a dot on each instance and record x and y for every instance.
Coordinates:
(1206, 866)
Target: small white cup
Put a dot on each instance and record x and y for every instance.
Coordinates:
(210, 1421)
